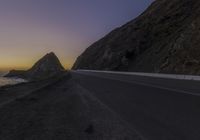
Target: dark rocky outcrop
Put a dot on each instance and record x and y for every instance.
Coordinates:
(47, 66)
(165, 38)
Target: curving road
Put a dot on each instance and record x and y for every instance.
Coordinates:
(88, 105)
(159, 109)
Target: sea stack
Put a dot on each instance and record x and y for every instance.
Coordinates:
(47, 66)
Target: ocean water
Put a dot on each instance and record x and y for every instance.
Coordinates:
(9, 81)
(2, 73)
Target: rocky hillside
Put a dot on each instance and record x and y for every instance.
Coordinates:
(47, 66)
(165, 38)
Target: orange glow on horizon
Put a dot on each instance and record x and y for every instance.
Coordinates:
(24, 43)
(26, 67)
(15, 64)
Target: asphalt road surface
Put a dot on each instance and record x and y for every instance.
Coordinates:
(58, 109)
(158, 109)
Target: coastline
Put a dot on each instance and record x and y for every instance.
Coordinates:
(2, 73)
(5, 81)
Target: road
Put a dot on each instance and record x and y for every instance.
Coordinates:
(58, 109)
(159, 109)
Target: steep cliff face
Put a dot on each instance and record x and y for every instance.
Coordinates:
(165, 38)
(47, 66)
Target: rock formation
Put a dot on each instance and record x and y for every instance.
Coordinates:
(47, 66)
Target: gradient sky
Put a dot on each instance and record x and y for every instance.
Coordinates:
(31, 28)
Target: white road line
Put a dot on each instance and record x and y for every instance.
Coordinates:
(158, 75)
(145, 84)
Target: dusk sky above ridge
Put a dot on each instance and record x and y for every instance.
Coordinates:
(31, 28)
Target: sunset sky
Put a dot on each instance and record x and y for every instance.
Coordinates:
(31, 28)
